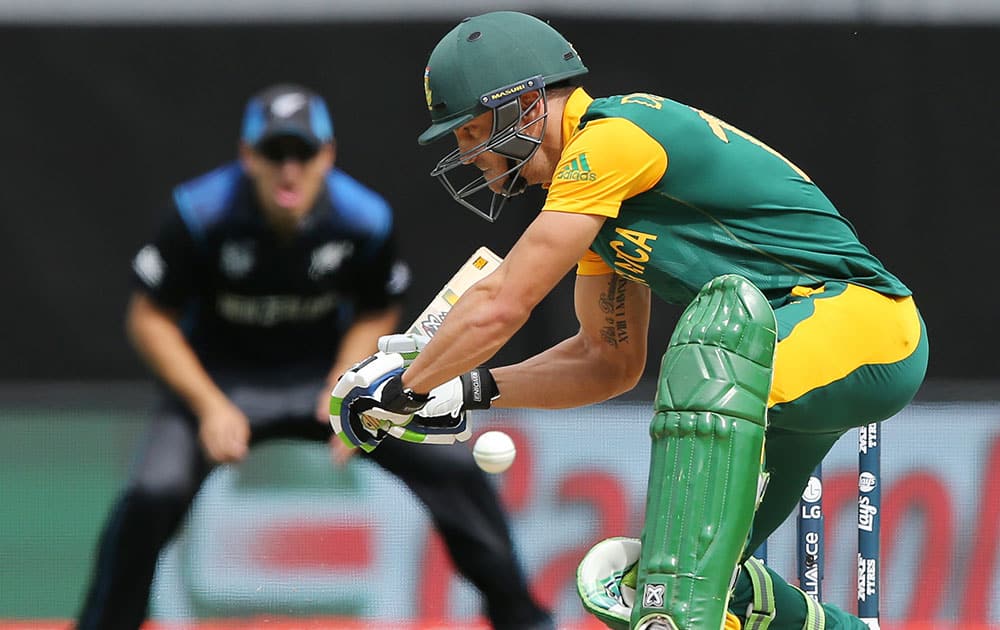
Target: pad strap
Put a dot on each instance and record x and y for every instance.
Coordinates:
(815, 615)
(760, 614)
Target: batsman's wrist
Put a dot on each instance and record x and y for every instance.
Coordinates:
(399, 399)
(479, 389)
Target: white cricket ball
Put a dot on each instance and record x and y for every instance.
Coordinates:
(494, 451)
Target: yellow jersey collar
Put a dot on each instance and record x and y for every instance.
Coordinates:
(576, 106)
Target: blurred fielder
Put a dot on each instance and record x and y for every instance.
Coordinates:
(268, 279)
(793, 332)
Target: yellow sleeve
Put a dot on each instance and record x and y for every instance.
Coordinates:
(605, 163)
(592, 265)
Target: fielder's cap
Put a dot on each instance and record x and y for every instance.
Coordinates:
(287, 110)
(492, 52)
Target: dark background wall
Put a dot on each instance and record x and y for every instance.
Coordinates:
(897, 124)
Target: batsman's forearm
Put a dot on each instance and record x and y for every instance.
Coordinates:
(475, 329)
(564, 376)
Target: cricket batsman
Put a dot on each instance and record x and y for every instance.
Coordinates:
(793, 332)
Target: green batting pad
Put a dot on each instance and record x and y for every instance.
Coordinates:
(706, 460)
(721, 353)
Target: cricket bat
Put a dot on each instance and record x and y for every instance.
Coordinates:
(481, 264)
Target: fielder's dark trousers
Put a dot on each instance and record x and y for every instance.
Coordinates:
(171, 467)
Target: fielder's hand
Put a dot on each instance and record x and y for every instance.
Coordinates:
(224, 432)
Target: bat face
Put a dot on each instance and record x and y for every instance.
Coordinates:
(428, 323)
(481, 264)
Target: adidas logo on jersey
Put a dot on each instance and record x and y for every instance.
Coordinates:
(578, 170)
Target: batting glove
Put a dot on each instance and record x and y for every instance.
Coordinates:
(368, 399)
(408, 345)
(473, 390)
(439, 424)
(440, 430)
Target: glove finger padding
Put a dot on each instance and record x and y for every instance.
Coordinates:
(440, 430)
(606, 578)
(354, 413)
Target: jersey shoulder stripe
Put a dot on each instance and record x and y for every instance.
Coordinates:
(358, 208)
(205, 200)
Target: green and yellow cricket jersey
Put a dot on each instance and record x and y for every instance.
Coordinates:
(689, 197)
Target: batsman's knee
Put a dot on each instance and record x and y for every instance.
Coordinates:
(721, 354)
(706, 464)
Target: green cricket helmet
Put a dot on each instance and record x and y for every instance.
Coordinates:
(484, 64)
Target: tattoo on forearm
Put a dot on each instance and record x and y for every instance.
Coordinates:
(612, 303)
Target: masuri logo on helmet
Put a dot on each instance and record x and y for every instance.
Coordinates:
(486, 53)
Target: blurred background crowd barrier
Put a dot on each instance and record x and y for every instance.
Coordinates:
(890, 106)
(288, 534)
